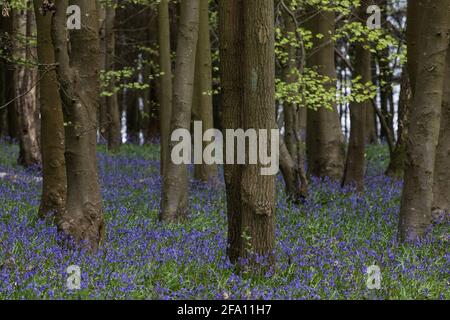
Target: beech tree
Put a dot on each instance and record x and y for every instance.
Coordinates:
(174, 202)
(325, 149)
(248, 80)
(355, 165)
(423, 132)
(25, 77)
(78, 73)
(165, 90)
(202, 108)
(54, 184)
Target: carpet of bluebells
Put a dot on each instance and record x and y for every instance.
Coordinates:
(323, 248)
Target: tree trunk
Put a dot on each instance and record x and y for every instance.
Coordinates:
(397, 163)
(174, 203)
(165, 90)
(203, 104)
(441, 188)
(25, 92)
(294, 177)
(291, 153)
(8, 90)
(231, 24)
(54, 185)
(79, 75)
(258, 191)
(355, 165)
(248, 82)
(132, 109)
(417, 198)
(112, 120)
(325, 149)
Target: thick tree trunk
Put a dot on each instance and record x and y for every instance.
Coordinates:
(248, 78)
(54, 186)
(441, 188)
(79, 75)
(25, 92)
(165, 90)
(258, 191)
(325, 149)
(417, 198)
(174, 202)
(202, 103)
(355, 165)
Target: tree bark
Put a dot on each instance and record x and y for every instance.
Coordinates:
(231, 24)
(325, 149)
(441, 188)
(79, 77)
(54, 185)
(397, 163)
(10, 113)
(174, 202)
(165, 90)
(25, 92)
(417, 198)
(248, 82)
(355, 165)
(291, 149)
(258, 191)
(203, 103)
(113, 134)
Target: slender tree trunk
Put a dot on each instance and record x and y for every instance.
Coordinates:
(291, 155)
(54, 186)
(203, 103)
(174, 203)
(397, 163)
(3, 80)
(325, 140)
(150, 118)
(25, 92)
(165, 99)
(355, 165)
(132, 110)
(79, 78)
(417, 198)
(231, 24)
(294, 176)
(112, 120)
(9, 87)
(441, 188)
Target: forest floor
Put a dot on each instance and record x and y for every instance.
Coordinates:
(323, 248)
